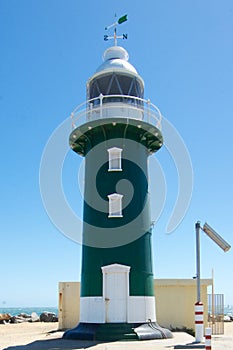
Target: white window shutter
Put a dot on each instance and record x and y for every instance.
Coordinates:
(115, 205)
(114, 159)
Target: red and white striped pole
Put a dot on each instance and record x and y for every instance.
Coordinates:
(199, 321)
(208, 332)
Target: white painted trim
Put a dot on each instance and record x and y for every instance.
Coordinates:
(114, 170)
(113, 268)
(115, 205)
(114, 156)
(141, 309)
(92, 310)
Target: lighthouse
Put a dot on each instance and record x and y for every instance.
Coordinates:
(116, 130)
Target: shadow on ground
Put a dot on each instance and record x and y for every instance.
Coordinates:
(55, 344)
(189, 346)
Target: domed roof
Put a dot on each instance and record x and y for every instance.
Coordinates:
(116, 57)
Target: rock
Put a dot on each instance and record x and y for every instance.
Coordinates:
(24, 315)
(4, 318)
(34, 317)
(48, 317)
(17, 319)
(12, 320)
(227, 318)
(21, 318)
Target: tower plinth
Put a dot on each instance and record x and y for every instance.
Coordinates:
(116, 130)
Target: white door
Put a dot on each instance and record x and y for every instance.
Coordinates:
(115, 293)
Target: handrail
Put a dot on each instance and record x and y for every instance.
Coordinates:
(110, 106)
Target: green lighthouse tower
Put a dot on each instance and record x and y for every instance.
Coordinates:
(116, 130)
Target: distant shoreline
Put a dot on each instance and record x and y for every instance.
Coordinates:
(14, 311)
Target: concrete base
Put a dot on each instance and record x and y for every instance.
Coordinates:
(117, 331)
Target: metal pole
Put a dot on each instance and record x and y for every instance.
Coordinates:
(198, 226)
(213, 302)
(199, 309)
(101, 96)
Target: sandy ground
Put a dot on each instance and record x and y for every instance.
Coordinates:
(44, 336)
(25, 333)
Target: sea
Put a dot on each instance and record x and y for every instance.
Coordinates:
(14, 311)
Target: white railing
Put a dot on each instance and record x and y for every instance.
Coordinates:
(116, 106)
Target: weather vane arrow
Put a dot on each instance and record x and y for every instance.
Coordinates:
(115, 24)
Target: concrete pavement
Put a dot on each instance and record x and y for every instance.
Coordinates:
(53, 341)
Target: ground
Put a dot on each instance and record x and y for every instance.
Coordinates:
(45, 336)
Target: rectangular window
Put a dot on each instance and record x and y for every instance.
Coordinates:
(115, 205)
(114, 159)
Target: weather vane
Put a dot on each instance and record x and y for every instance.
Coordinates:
(115, 24)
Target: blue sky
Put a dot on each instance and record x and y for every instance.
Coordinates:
(49, 48)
